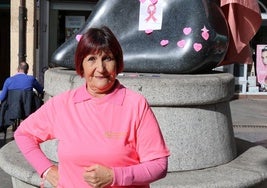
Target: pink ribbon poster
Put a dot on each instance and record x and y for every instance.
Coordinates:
(150, 15)
(261, 65)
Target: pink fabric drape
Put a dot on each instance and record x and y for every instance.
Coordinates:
(244, 19)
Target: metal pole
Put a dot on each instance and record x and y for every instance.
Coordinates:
(22, 31)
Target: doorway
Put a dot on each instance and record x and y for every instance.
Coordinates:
(4, 42)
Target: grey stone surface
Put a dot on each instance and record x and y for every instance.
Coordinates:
(13, 163)
(159, 89)
(247, 170)
(198, 137)
(50, 149)
(250, 119)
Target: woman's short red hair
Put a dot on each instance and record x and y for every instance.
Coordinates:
(94, 41)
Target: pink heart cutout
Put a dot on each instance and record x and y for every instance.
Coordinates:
(187, 30)
(142, 1)
(164, 42)
(197, 47)
(181, 43)
(148, 31)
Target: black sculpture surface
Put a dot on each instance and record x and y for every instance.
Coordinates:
(193, 38)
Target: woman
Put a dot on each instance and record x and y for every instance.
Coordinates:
(262, 69)
(108, 135)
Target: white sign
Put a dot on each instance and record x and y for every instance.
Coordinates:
(150, 15)
(72, 25)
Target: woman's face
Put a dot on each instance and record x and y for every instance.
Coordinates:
(99, 73)
(264, 57)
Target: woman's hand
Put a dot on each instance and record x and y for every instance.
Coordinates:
(98, 176)
(52, 176)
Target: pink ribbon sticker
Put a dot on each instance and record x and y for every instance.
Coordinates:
(154, 1)
(151, 10)
(205, 33)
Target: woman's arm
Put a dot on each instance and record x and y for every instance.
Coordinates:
(143, 173)
(31, 150)
(3, 93)
(140, 174)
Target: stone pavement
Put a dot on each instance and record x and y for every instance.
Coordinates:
(249, 118)
(5, 179)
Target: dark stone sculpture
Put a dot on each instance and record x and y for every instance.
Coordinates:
(193, 38)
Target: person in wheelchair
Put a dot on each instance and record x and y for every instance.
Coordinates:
(18, 98)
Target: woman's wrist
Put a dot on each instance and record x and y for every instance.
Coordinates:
(43, 176)
(46, 172)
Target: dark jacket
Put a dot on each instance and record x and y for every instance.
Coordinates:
(19, 104)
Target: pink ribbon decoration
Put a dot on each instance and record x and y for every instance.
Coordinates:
(154, 1)
(151, 10)
(205, 33)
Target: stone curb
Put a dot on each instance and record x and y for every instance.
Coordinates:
(248, 170)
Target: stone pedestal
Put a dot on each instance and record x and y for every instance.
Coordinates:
(193, 112)
(194, 115)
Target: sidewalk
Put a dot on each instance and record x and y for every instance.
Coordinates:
(249, 117)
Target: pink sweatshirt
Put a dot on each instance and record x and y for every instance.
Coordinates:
(119, 131)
